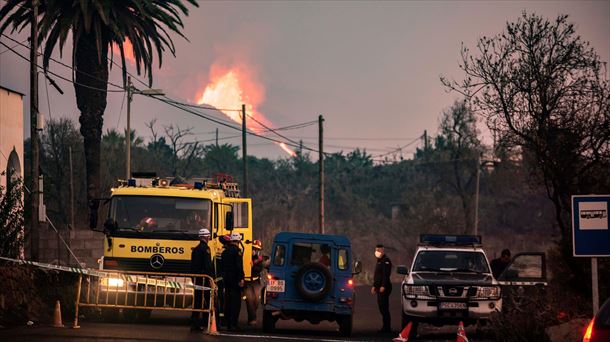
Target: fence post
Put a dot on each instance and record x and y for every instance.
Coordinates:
(77, 301)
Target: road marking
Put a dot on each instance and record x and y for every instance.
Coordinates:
(273, 337)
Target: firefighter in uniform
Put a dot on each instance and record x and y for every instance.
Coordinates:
(201, 263)
(233, 277)
(382, 287)
(220, 284)
(254, 285)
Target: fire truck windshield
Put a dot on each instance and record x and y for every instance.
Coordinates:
(160, 214)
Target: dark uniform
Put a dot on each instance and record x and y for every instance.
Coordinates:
(498, 266)
(253, 287)
(233, 274)
(383, 269)
(201, 263)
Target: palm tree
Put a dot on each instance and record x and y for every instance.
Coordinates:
(96, 26)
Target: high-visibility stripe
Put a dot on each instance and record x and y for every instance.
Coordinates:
(97, 273)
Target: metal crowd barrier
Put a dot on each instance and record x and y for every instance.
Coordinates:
(145, 291)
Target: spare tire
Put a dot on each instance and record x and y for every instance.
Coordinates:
(313, 281)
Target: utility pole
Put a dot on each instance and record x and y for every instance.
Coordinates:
(476, 198)
(426, 141)
(216, 136)
(69, 230)
(128, 132)
(321, 164)
(71, 189)
(34, 143)
(244, 148)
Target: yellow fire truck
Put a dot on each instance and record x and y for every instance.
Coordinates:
(152, 226)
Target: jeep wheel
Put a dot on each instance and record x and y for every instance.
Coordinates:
(405, 320)
(345, 325)
(313, 281)
(268, 321)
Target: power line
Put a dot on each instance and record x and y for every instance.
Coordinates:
(58, 75)
(399, 148)
(299, 144)
(66, 65)
(358, 138)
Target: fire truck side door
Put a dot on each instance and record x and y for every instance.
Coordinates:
(242, 224)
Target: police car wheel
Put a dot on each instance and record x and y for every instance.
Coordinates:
(313, 281)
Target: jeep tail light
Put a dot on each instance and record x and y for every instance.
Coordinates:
(589, 332)
(350, 282)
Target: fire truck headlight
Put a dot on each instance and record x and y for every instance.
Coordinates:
(115, 282)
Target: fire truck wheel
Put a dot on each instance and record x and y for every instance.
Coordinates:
(129, 314)
(110, 315)
(144, 315)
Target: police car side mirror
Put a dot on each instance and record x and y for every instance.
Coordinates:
(229, 220)
(402, 269)
(357, 267)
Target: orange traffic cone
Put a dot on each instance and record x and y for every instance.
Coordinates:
(404, 334)
(213, 330)
(461, 334)
(57, 316)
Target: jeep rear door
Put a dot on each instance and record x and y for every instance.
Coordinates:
(302, 253)
(523, 281)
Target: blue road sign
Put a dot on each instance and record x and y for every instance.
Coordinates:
(591, 236)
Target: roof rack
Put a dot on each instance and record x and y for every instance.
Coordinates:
(450, 240)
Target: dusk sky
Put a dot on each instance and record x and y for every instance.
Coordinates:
(371, 68)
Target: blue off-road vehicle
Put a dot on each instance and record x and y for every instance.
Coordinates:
(310, 278)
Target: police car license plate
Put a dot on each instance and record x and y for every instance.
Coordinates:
(276, 285)
(452, 306)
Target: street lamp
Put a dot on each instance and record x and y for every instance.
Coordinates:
(130, 91)
(489, 164)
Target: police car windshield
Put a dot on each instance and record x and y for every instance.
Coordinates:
(451, 261)
(160, 214)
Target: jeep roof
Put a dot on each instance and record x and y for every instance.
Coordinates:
(286, 237)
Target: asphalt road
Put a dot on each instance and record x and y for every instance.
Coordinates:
(173, 326)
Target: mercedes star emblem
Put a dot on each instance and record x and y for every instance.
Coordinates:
(157, 261)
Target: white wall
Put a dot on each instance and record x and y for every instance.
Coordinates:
(11, 129)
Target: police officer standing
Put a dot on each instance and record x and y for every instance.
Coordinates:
(382, 286)
(201, 263)
(233, 276)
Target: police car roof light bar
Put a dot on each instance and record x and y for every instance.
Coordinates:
(454, 240)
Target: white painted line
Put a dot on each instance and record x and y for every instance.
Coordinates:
(274, 337)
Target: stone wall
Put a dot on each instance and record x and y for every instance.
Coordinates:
(86, 244)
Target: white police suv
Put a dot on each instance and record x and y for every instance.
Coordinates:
(450, 280)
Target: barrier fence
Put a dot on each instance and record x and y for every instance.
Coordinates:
(147, 291)
(133, 290)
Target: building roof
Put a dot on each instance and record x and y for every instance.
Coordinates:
(11, 90)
